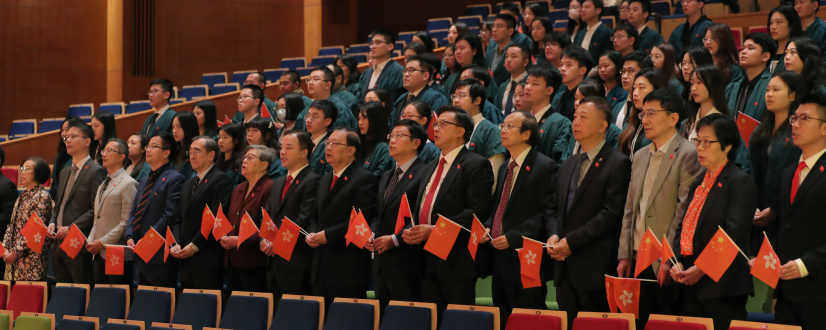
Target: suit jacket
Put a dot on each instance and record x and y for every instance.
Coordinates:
(592, 224)
(112, 205)
(756, 103)
(463, 193)
(669, 194)
(162, 124)
(730, 204)
(648, 39)
(428, 95)
(345, 115)
(299, 205)
(214, 190)
(500, 75)
(161, 206)
(80, 203)
(600, 41)
(248, 254)
(336, 262)
(8, 196)
(390, 79)
(695, 36)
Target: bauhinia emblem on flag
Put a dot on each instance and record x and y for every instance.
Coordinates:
(442, 237)
(207, 222)
(766, 266)
(404, 212)
(170, 240)
(477, 232)
(285, 239)
(717, 256)
(648, 252)
(626, 293)
(222, 227)
(151, 242)
(359, 231)
(268, 229)
(114, 260)
(35, 233)
(74, 242)
(246, 229)
(530, 261)
(609, 292)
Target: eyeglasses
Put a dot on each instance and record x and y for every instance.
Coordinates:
(108, 150)
(392, 136)
(619, 37)
(26, 168)
(317, 79)
(705, 143)
(508, 127)
(628, 72)
(72, 137)
(552, 44)
(705, 40)
(242, 97)
(154, 91)
(685, 65)
(411, 71)
(499, 26)
(330, 145)
(250, 157)
(649, 113)
(193, 152)
(309, 118)
(802, 119)
(457, 96)
(411, 116)
(625, 8)
(376, 43)
(155, 147)
(441, 124)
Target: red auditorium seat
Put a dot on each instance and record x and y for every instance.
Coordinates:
(590, 323)
(4, 293)
(13, 173)
(533, 322)
(27, 297)
(672, 325)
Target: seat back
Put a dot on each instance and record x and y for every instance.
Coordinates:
(181, 100)
(198, 308)
(481, 10)
(240, 76)
(248, 311)
(115, 324)
(293, 63)
(67, 324)
(401, 317)
(189, 92)
(13, 173)
(606, 321)
(499, 6)
(353, 314)
(225, 88)
(304, 72)
(608, 21)
(6, 320)
(737, 32)
(299, 313)
(678, 8)
(32, 323)
(534, 319)
(153, 304)
(470, 21)
(363, 48)
(211, 79)
(170, 326)
(323, 60)
(109, 302)
(50, 124)
(662, 7)
(407, 37)
(469, 320)
(360, 58)
(744, 325)
(439, 23)
(754, 29)
(138, 106)
(439, 36)
(333, 50)
(22, 128)
(561, 4)
(68, 299)
(117, 108)
(81, 110)
(662, 322)
(557, 14)
(27, 296)
(274, 74)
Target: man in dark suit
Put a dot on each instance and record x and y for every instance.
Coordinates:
(8, 196)
(385, 73)
(586, 213)
(396, 268)
(519, 208)
(75, 204)
(156, 205)
(595, 37)
(160, 92)
(457, 186)
(638, 11)
(340, 270)
(293, 196)
(201, 265)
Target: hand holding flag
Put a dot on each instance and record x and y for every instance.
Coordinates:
(35, 233)
(286, 238)
(530, 261)
(170, 240)
(246, 230)
(404, 212)
(667, 254)
(766, 266)
(222, 227)
(268, 229)
(73, 242)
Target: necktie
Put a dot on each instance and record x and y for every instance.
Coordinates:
(333, 184)
(575, 179)
(509, 99)
(142, 206)
(103, 187)
(393, 181)
(503, 202)
(151, 123)
(287, 187)
(796, 181)
(197, 182)
(69, 184)
(425, 215)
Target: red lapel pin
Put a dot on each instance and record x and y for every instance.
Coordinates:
(296, 181)
(458, 166)
(163, 179)
(114, 185)
(321, 161)
(527, 168)
(615, 99)
(367, 163)
(542, 131)
(472, 144)
(411, 176)
(755, 103)
(696, 35)
(672, 156)
(596, 164)
(595, 44)
(821, 168)
(720, 184)
(87, 167)
(205, 180)
(157, 128)
(787, 139)
(253, 194)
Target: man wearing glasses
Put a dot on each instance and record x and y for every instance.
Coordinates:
(634, 62)
(75, 205)
(249, 103)
(484, 140)
(691, 32)
(260, 80)
(501, 33)
(320, 86)
(320, 116)
(384, 73)
(417, 73)
(160, 91)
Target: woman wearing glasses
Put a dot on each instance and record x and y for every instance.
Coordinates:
(693, 57)
(23, 263)
(261, 131)
(375, 155)
(783, 25)
(421, 113)
(184, 128)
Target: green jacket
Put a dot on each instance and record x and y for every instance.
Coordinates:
(734, 73)
(439, 88)
(353, 89)
(276, 170)
(345, 116)
(648, 39)
(349, 100)
(238, 118)
(380, 161)
(449, 82)
(617, 95)
(185, 168)
(430, 152)
(144, 171)
(696, 38)
(428, 95)
(390, 80)
(485, 140)
(162, 123)
(492, 113)
(817, 32)
(318, 161)
(676, 85)
(554, 136)
(756, 104)
(600, 41)
(500, 75)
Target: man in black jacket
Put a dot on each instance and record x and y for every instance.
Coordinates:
(8, 196)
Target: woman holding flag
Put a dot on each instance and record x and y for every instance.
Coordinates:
(24, 260)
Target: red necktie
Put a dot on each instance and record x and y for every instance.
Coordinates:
(286, 187)
(503, 202)
(428, 201)
(333, 184)
(796, 181)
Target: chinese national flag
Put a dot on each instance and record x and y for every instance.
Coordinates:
(404, 212)
(347, 237)
(227, 120)
(114, 260)
(207, 222)
(766, 266)
(746, 126)
(717, 256)
(170, 240)
(359, 231)
(149, 245)
(648, 253)
(219, 123)
(667, 253)
(264, 112)
(609, 292)
(627, 295)
(247, 229)
(222, 227)
(530, 256)
(477, 232)
(442, 238)
(35, 233)
(74, 241)
(268, 229)
(285, 240)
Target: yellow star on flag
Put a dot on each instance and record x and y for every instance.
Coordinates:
(720, 239)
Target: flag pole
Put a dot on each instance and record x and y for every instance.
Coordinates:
(486, 232)
(735, 244)
(674, 258)
(629, 278)
(301, 230)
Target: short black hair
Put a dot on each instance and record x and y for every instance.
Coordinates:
(423, 109)
(524, 49)
(168, 143)
(166, 86)
(602, 105)
(479, 73)
(388, 35)
(510, 21)
(580, 55)
(726, 131)
(629, 30)
(434, 61)
(329, 75)
(257, 92)
(670, 101)
(642, 59)
(475, 90)
(351, 139)
(462, 117)
(305, 140)
(529, 123)
(260, 77)
(646, 6)
(547, 72)
(598, 4)
(416, 131)
(41, 170)
(337, 72)
(429, 45)
(294, 76)
(764, 40)
(558, 37)
(817, 99)
(84, 128)
(269, 134)
(416, 47)
(209, 142)
(511, 7)
(294, 105)
(328, 108)
(424, 64)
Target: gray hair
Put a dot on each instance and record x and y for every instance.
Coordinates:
(264, 154)
(209, 143)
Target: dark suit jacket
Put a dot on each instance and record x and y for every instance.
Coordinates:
(402, 260)
(215, 189)
(299, 206)
(161, 206)
(464, 191)
(248, 254)
(600, 41)
(801, 233)
(8, 195)
(500, 75)
(80, 203)
(162, 123)
(730, 204)
(592, 225)
(337, 263)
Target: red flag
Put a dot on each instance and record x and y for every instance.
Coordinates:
(264, 112)
(648, 252)
(477, 232)
(717, 256)
(609, 292)
(627, 295)
(222, 227)
(766, 266)
(247, 229)
(2, 250)
(114, 259)
(746, 126)
(149, 245)
(359, 231)
(170, 240)
(207, 221)
(35, 233)
(286, 239)
(404, 211)
(227, 120)
(219, 123)
(442, 238)
(667, 253)
(73, 242)
(347, 237)
(530, 256)
(268, 229)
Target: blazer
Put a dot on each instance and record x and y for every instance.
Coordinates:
(162, 123)
(337, 263)
(345, 115)
(214, 190)
(299, 205)
(8, 196)
(555, 134)
(112, 205)
(600, 41)
(730, 205)
(648, 39)
(669, 194)
(817, 32)
(695, 36)
(428, 95)
(463, 193)
(500, 75)
(80, 201)
(161, 206)
(248, 254)
(390, 79)
(756, 103)
(592, 224)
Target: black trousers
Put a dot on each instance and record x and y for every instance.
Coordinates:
(205, 278)
(68, 270)
(506, 287)
(653, 299)
(573, 301)
(284, 282)
(443, 292)
(808, 316)
(252, 279)
(99, 265)
(331, 291)
(721, 310)
(397, 288)
(161, 274)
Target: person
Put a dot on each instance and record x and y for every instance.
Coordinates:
(455, 30)
(246, 264)
(137, 168)
(555, 42)
(502, 35)
(485, 34)
(396, 269)
(574, 19)
(79, 183)
(784, 25)
(517, 60)
(382, 96)
(231, 144)
(708, 96)
(771, 149)
(589, 88)
(320, 118)
(554, 128)
(804, 58)
(262, 132)
(692, 32)
(349, 100)
(113, 200)
(638, 11)
(8, 197)
(290, 82)
(813, 26)
(289, 105)
(539, 29)
(467, 193)
(156, 205)
(320, 85)
(207, 115)
(720, 43)
(519, 102)
(632, 64)
(658, 193)
(694, 56)
(482, 75)
(160, 92)
(665, 60)
(417, 74)
(294, 197)
(385, 73)
(260, 80)
(63, 159)
(595, 38)
(625, 37)
(103, 126)
(530, 14)
(484, 139)
(339, 269)
(423, 38)
(609, 67)
(519, 208)
(576, 63)
(249, 102)
(623, 12)
(421, 113)
(744, 95)
(585, 214)
(349, 66)
(633, 136)
(184, 128)
(721, 198)
(372, 131)
(435, 62)
(23, 263)
(513, 9)
(451, 66)
(467, 51)
(414, 48)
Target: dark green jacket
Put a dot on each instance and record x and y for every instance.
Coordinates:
(648, 39)
(271, 107)
(756, 104)
(185, 168)
(144, 171)
(600, 41)
(499, 99)
(162, 123)
(349, 100)
(276, 170)
(817, 32)
(696, 38)
(554, 136)
(616, 95)
(428, 95)
(500, 75)
(492, 113)
(345, 116)
(380, 161)
(390, 80)
(353, 89)
(430, 152)
(318, 161)
(735, 72)
(782, 155)
(485, 140)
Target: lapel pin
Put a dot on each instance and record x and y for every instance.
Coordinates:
(527, 168)
(411, 176)
(821, 168)
(696, 35)
(253, 194)
(720, 184)
(86, 167)
(615, 99)
(755, 103)
(114, 185)
(595, 44)
(600, 159)
(163, 179)
(472, 144)
(345, 178)
(296, 181)
(458, 167)
(367, 163)
(321, 161)
(672, 156)
(596, 164)
(541, 131)
(157, 128)
(205, 180)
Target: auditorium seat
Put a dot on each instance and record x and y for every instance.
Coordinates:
(400, 44)
(481, 10)
(211, 79)
(403, 315)
(27, 296)
(499, 6)
(737, 32)
(470, 21)
(188, 92)
(68, 299)
(662, 7)
(31, 322)
(760, 28)
(117, 108)
(561, 4)
(50, 124)
(198, 308)
(6, 322)
(439, 36)
(240, 76)
(21, 128)
(678, 8)
(744, 325)
(298, 313)
(439, 24)
(305, 71)
(352, 314)
(322, 61)
(137, 106)
(360, 57)
(248, 311)
(359, 48)
(69, 323)
(407, 37)
(603, 321)
(152, 304)
(332, 50)
(81, 110)
(5, 285)
(558, 14)
(114, 324)
(544, 4)
(533, 319)
(474, 30)
(177, 101)
(397, 53)
(673, 325)
(225, 88)
(13, 173)
(273, 74)
(293, 63)
(608, 21)
(463, 317)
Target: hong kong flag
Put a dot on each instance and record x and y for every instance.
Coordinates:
(35, 233)
(74, 241)
(268, 229)
(222, 227)
(766, 266)
(477, 232)
(284, 243)
(114, 260)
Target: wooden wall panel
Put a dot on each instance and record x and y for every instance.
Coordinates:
(339, 34)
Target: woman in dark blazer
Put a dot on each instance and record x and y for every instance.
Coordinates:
(723, 197)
